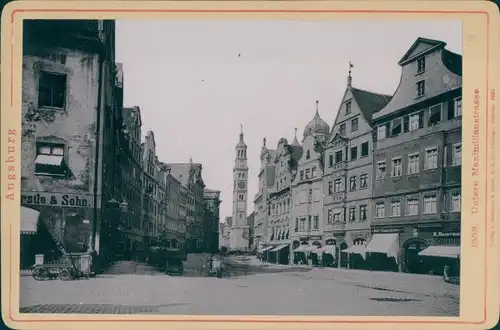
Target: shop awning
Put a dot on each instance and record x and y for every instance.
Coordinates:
(357, 249)
(301, 248)
(329, 249)
(267, 248)
(384, 243)
(279, 247)
(312, 248)
(53, 160)
(29, 220)
(445, 251)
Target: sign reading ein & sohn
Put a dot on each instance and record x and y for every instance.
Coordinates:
(55, 199)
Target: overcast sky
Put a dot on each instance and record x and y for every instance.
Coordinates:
(195, 91)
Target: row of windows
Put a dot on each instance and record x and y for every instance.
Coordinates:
(336, 185)
(413, 163)
(311, 224)
(336, 216)
(241, 153)
(278, 208)
(354, 152)
(308, 173)
(416, 120)
(412, 206)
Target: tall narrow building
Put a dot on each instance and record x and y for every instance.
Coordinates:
(239, 230)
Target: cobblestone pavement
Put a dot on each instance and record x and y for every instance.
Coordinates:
(316, 292)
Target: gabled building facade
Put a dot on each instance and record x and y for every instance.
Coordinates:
(279, 201)
(192, 202)
(417, 156)
(151, 201)
(348, 162)
(131, 180)
(261, 208)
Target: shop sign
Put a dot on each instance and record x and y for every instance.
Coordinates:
(359, 234)
(387, 230)
(56, 199)
(438, 234)
(315, 238)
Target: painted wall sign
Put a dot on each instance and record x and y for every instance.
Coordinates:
(445, 234)
(56, 199)
(387, 230)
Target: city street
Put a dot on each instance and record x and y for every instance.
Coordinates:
(299, 292)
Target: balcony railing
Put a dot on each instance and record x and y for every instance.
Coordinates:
(340, 165)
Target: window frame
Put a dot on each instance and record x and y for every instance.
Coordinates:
(363, 177)
(354, 124)
(382, 207)
(52, 73)
(455, 112)
(396, 158)
(452, 208)
(420, 88)
(351, 149)
(377, 170)
(426, 163)
(454, 161)
(440, 105)
(348, 107)
(398, 202)
(408, 204)
(424, 211)
(409, 172)
(367, 147)
(420, 64)
(352, 183)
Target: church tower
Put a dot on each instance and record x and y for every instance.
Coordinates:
(239, 230)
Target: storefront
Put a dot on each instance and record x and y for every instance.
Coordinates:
(382, 250)
(305, 250)
(281, 254)
(67, 218)
(444, 251)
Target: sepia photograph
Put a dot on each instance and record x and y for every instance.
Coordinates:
(207, 167)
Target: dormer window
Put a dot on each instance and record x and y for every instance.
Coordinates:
(420, 88)
(421, 65)
(348, 108)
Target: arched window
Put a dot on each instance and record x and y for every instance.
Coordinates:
(308, 154)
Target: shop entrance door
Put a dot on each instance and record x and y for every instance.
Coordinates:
(413, 262)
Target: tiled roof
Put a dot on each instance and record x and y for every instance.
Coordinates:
(369, 102)
(180, 172)
(453, 62)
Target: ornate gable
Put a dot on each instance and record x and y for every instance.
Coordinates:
(419, 47)
(336, 140)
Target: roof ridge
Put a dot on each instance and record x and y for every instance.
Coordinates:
(370, 92)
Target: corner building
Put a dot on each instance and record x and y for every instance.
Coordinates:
(348, 174)
(417, 163)
(68, 105)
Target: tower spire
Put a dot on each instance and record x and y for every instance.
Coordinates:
(295, 140)
(264, 142)
(241, 132)
(349, 78)
(317, 108)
